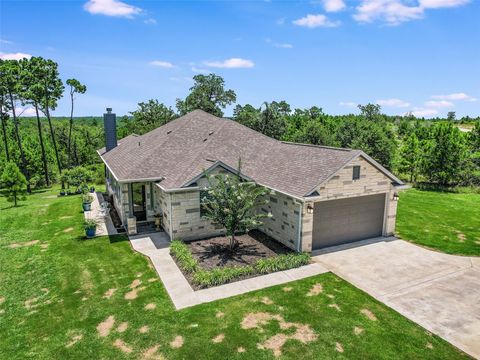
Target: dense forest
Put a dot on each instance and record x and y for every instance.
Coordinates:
(432, 151)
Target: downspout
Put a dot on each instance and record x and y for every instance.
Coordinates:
(300, 222)
(171, 215)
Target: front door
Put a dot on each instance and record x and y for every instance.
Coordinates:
(139, 206)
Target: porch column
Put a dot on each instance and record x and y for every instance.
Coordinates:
(130, 200)
(131, 221)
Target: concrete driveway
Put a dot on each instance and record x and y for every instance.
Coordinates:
(437, 291)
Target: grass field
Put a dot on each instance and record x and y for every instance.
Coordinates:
(63, 297)
(444, 221)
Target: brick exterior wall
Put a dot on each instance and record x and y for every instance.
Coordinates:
(372, 181)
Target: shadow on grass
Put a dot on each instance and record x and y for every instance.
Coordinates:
(13, 206)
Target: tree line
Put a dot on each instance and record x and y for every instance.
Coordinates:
(44, 147)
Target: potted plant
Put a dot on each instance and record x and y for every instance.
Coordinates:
(87, 200)
(92, 189)
(90, 226)
(62, 192)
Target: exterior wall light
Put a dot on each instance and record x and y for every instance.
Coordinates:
(309, 209)
(395, 197)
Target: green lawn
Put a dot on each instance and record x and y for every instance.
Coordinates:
(52, 299)
(444, 221)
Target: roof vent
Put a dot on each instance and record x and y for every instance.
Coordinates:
(205, 140)
(211, 133)
(169, 131)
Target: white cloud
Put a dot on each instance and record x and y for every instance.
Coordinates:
(393, 12)
(14, 56)
(232, 63)
(111, 8)
(439, 104)
(312, 21)
(279, 45)
(24, 111)
(162, 64)
(3, 41)
(348, 103)
(150, 21)
(393, 103)
(333, 5)
(435, 4)
(424, 112)
(454, 96)
(200, 70)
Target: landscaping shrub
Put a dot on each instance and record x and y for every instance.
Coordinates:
(220, 275)
(183, 256)
(281, 262)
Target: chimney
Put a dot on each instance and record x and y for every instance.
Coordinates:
(110, 126)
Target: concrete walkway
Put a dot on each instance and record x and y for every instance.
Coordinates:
(437, 291)
(105, 224)
(181, 292)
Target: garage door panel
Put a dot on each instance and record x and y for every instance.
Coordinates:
(342, 221)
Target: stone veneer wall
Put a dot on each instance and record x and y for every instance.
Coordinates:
(162, 205)
(372, 181)
(283, 225)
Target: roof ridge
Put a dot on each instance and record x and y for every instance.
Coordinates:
(318, 146)
(204, 145)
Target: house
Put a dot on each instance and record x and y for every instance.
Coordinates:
(322, 196)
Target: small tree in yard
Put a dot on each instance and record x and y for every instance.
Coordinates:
(14, 182)
(232, 203)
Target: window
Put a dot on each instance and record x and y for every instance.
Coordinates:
(356, 172)
(204, 198)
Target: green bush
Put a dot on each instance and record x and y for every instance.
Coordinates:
(221, 275)
(183, 256)
(281, 262)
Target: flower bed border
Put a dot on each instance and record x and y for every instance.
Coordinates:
(202, 278)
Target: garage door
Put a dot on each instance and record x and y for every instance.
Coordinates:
(342, 221)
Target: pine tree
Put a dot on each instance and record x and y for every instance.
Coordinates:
(14, 182)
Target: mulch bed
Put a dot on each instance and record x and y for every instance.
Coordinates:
(214, 252)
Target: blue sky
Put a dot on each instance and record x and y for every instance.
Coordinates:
(408, 55)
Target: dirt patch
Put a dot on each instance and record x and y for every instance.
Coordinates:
(218, 339)
(109, 293)
(339, 347)
(177, 342)
(106, 326)
(315, 290)
(152, 280)
(65, 217)
(74, 340)
(44, 246)
(67, 230)
(120, 344)
(303, 333)
(25, 244)
(150, 306)
(31, 303)
(2, 299)
(429, 346)
(335, 306)
(122, 327)
(214, 252)
(241, 349)
(219, 315)
(84, 298)
(136, 288)
(266, 300)
(144, 329)
(369, 314)
(287, 289)
(151, 353)
(357, 330)
(461, 237)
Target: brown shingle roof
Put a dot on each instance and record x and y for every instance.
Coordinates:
(180, 150)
